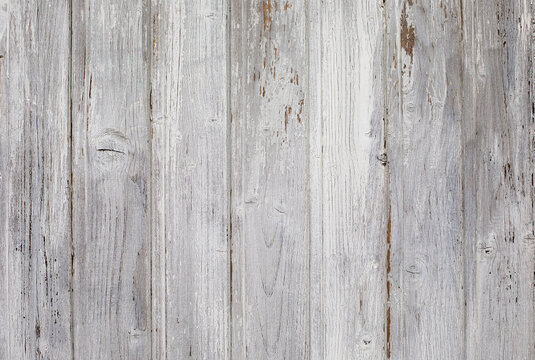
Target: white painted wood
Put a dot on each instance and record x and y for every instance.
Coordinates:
(189, 180)
(498, 143)
(110, 119)
(392, 102)
(270, 238)
(348, 112)
(4, 185)
(315, 160)
(425, 160)
(275, 179)
(4, 182)
(35, 259)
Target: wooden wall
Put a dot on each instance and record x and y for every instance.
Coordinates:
(267, 179)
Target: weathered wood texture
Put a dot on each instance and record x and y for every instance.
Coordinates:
(110, 121)
(424, 151)
(269, 164)
(35, 308)
(267, 179)
(498, 128)
(348, 185)
(190, 191)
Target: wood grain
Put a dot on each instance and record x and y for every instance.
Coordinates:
(271, 179)
(348, 89)
(315, 163)
(424, 150)
(110, 119)
(498, 144)
(270, 236)
(4, 184)
(34, 180)
(190, 198)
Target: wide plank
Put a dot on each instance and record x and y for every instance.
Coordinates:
(424, 105)
(270, 234)
(499, 129)
(35, 310)
(348, 182)
(190, 180)
(110, 115)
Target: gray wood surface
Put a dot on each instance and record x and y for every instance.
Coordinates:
(269, 162)
(190, 186)
(499, 180)
(267, 179)
(35, 172)
(349, 185)
(111, 178)
(424, 105)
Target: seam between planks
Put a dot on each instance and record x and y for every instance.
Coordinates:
(71, 185)
(324, 340)
(463, 199)
(228, 156)
(387, 195)
(149, 29)
(7, 57)
(401, 230)
(308, 175)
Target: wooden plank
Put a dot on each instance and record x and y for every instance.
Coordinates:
(190, 180)
(111, 156)
(4, 184)
(315, 173)
(276, 179)
(270, 235)
(346, 87)
(34, 180)
(392, 114)
(425, 159)
(499, 153)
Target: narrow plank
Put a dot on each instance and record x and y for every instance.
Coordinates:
(270, 234)
(4, 184)
(34, 180)
(346, 87)
(392, 115)
(424, 153)
(190, 180)
(315, 159)
(110, 110)
(499, 153)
